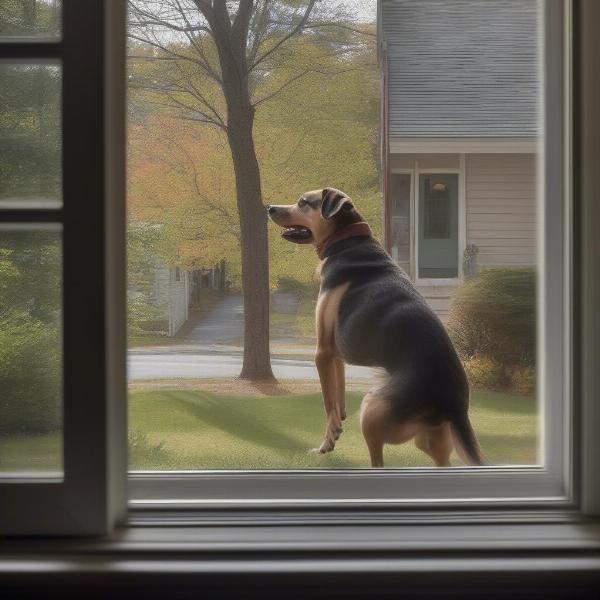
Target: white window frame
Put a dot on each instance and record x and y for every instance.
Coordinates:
(411, 216)
(550, 485)
(88, 497)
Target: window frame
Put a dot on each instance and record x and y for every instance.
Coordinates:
(551, 485)
(89, 497)
(104, 241)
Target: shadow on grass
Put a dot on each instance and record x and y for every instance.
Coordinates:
(236, 422)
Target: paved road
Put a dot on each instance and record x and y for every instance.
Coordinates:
(224, 324)
(191, 365)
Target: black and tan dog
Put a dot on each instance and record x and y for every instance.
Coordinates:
(369, 313)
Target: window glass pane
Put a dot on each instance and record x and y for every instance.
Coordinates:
(30, 19)
(30, 349)
(438, 226)
(30, 135)
(213, 307)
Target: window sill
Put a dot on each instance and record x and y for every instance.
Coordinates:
(257, 547)
(540, 558)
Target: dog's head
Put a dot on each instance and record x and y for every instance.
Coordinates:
(314, 217)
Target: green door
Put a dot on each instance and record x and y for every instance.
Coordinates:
(438, 226)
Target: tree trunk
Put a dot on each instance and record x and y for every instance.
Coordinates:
(231, 42)
(254, 249)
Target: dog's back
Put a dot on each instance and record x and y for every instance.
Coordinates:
(383, 321)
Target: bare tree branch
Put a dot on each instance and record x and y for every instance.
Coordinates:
(339, 26)
(286, 37)
(258, 27)
(239, 29)
(282, 87)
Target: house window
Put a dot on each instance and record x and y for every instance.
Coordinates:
(437, 210)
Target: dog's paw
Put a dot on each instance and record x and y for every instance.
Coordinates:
(327, 446)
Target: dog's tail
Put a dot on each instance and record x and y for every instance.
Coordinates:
(466, 443)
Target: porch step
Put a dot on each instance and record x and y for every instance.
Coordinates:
(439, 297)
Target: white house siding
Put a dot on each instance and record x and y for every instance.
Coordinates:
(173, 296)
(501, 208)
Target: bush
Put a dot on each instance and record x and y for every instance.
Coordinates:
(492, 323)
(30, 375)
(522, 379)
(485, 372)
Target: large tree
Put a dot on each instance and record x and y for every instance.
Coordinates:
(233, 46)
(318, 129)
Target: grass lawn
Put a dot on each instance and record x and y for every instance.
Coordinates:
(31, 452)
(194, 429)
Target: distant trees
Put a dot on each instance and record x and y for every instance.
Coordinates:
(30, 320)
(27, 17)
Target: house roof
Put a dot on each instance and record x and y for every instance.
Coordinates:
(462, 67)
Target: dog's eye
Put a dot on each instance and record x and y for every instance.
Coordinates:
(302, 202)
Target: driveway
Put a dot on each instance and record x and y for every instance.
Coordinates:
(224, 324)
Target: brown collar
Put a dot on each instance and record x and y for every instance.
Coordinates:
(360, 229)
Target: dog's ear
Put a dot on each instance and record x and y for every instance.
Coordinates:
(333, 202)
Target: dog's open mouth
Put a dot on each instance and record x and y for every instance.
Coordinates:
(297, 234)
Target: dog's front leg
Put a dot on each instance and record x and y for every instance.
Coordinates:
(327, 368)
(327, 364)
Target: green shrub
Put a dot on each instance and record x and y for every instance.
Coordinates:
(492, 323)
(484, 372)
(493, 314)
(30, 375)
(522, 379)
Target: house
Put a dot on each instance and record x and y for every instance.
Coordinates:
(460, 134)
(176, 290)
(160, 295)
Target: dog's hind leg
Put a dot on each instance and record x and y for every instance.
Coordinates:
(436, 441)
(380, 426)
(373, 414)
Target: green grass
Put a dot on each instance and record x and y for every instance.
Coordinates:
(199, 430)
(31, 452)
(192, 429)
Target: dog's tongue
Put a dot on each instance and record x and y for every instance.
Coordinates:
(298, 235)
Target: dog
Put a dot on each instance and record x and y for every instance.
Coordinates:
(369, 313)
